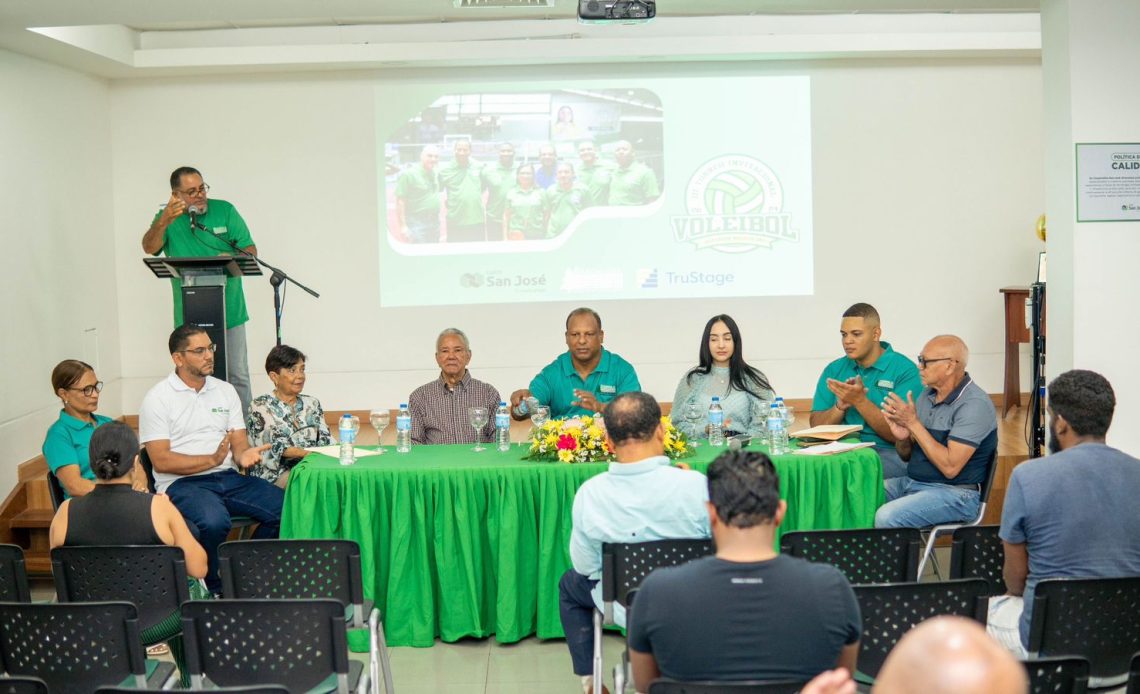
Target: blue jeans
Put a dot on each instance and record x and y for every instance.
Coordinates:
(914, 504)
(576, 608)
(207, 501)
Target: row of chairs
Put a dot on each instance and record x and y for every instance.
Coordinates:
(1079, 627)
(286, 607)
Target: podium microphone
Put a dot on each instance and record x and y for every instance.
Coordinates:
(194, 212)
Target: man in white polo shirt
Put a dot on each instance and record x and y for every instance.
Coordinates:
(193, 428)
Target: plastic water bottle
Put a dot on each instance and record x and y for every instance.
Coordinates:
(503, 427)
(777, 431)
(404, 429)
(716, 423)
(783, 409)
(349, 425)
(526, 406)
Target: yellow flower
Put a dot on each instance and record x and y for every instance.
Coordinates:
(566, 456)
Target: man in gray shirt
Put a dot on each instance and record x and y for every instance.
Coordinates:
(1071, 514)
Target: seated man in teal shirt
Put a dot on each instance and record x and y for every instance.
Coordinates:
(852, 388)
(582, 380)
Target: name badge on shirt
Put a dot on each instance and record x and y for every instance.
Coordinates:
(218, 231)
(607, 389)
(884, 383)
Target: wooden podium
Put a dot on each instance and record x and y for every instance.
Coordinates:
(1016, 333)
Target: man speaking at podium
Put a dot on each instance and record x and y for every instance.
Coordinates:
(215, 222)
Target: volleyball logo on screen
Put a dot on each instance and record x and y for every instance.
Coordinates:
(735, 204)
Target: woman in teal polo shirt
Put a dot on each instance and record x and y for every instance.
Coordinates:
(65, 446)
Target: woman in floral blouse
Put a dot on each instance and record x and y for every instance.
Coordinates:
(285, 418)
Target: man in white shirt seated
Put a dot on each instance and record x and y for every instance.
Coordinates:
(193, 428)
(641, 498)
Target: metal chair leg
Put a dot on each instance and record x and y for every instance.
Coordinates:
(599, 669)
(378, 656)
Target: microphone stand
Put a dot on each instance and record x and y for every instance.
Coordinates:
(277, 278)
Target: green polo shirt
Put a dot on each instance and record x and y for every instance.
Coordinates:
(636, 184)
(464, 192)
(223, 222)
(498, 180)
(420, 190)
(67, 441)
(891, 373)
(555, 384)
(596, 180)
(528, 211)
(564, 206)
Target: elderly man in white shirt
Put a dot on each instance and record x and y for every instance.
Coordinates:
(641, 498)
(193, 428)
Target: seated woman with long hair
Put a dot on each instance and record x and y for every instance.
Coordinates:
(115, 514)
(721, 371)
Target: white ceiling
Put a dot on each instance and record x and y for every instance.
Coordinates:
(137, 38)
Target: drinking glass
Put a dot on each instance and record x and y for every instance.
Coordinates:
(478, 416)
(693, 415)
(539, 416)
(380, 420)
(791, 417)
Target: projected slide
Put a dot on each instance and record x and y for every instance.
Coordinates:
(593, 190)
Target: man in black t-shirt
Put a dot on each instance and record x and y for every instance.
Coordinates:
(746, 613)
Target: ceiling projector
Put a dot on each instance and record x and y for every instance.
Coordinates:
(622, 11)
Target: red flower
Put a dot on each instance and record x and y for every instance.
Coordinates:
(566, 442)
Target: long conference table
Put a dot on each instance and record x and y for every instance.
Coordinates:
(459, 544)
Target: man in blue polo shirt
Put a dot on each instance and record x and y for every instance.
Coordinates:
(851, 388)
(585, 378)
(947, 438)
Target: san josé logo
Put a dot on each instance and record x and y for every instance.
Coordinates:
(735, 204)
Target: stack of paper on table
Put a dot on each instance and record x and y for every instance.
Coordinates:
(333, 451)
(828, 432)
(832, 448)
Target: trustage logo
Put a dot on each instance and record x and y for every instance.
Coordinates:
(697, 277)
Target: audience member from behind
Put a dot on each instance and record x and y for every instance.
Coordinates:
(194, 432)
(286, 419)
(1071, 514)
(947, 439)
(65, 446)
(114, 513)
(439, 408)
(639, 499)
(851, 388)
(721, 371)
(747, 613)
(584, 378)
(950, 655)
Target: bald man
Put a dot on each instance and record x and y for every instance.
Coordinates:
(946, 438)
(943, 655)
(950, 655)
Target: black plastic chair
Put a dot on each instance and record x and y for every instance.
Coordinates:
(77, 648)
(892, 609)
(306, 569)
(1134, 676)
(624, 567)
(1095, 618)
(668, 686)
(55, 489)
(13, 575)
(1057, 675)
(978, 552)
(298, 643)
(22, 685)
(243, 524)
(885, 555)
(937, 531)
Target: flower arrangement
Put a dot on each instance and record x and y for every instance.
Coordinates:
(583, 440)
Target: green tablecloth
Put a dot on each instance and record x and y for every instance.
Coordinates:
(456, 543)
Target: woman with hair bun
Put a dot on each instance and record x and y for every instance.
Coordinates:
(115, 514)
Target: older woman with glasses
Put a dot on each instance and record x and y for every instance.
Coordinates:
(65, 446)
(286, 419)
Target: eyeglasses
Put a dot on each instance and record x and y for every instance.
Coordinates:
(201, 190)
(90, 390)
(200, 350)
(923, 361)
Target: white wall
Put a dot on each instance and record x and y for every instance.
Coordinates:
(928, 179)
(1091, 45)
(58, 295)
